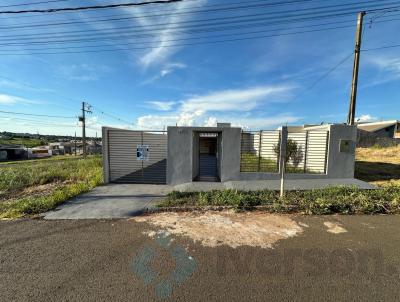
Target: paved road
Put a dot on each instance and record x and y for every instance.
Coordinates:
(111, 201)
(91, 260)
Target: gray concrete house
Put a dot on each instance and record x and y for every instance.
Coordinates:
(230, 157)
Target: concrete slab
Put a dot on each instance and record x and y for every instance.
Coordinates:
(254, 185)
(111, 201)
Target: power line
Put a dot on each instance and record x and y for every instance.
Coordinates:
(53, 10)
(171, 40)
(382, 47)
(33, 3)
(111, 115)
(42, 115)
(171, 45)
(324, 76)
(173, 10)
(306, 12)
(184, 39)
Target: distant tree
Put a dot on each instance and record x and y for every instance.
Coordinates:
(294, 152)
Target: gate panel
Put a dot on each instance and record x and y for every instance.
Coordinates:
(124, 163)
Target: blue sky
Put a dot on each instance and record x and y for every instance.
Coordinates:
(256, 83)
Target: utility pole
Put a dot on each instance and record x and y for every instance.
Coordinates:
(353, 95)
(85, 108)
(75, 143)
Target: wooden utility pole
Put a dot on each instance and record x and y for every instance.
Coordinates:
(82, 119)
(353, 95)
(75, 143)
(83, 130)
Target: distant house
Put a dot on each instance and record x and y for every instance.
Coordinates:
(12, 152)
(39, 152)
(390, 129)
(385, 134)
(61, 148)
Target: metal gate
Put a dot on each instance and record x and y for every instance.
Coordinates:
(137, 156)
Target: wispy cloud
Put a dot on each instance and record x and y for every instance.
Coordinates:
(237, 99)
(6, 99)
(161, 50)
(366, 118)
(83, 72)
(162, 106)
(166, 69)
(223, 105)
(388, 69)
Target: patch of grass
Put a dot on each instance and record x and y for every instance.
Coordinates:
(380, 166)
(68, 177)
(342, 200)
(252, 163)
(27, 142)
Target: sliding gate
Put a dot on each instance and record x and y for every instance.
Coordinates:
(137, 156)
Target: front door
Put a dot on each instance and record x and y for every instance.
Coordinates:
(208, 158)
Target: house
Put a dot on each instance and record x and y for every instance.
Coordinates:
(12, 152)
(224, 154)
(39, 152)
(390, 129)
(61, 148)
(384, 134)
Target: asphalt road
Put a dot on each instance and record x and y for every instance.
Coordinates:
(91, 260)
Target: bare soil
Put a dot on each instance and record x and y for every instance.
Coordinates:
(257, 229)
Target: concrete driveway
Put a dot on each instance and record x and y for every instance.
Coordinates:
(111, 201)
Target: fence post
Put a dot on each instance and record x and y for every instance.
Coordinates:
(259, 151)
(282, 158)
(305, 153)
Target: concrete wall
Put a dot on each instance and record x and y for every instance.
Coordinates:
(180, 155)
(230, 149)
(196, 150)
(341, 164)
(106, 162)
(181, 165)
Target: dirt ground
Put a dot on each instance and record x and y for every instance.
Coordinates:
(94, 260)
(228, 228)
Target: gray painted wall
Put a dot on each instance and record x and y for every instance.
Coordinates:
(182, 159)
(341, 164)
(181, 165)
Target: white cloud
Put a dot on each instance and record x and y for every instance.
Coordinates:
(171, 67)
(83, 72)
(206, 110)
(366, 118)
(161, 50)
(165, 70)
(210, 122)
(236, 100)
(388, 69)
(6, 99)
(162, 106)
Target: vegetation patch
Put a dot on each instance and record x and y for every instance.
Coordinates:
(380, 166)
(29, 188)
(340, 200)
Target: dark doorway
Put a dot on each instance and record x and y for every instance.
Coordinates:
(208, 157)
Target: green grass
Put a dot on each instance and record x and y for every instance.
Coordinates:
(60, 180)
(343, 200)
(27, 142)
(252, 163)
